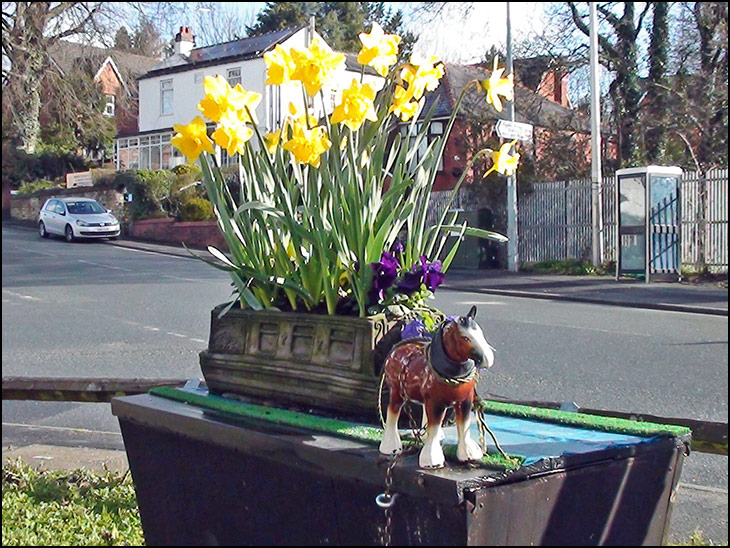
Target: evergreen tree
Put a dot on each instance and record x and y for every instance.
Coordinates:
(146, 39)
(339, 23)
(122, 40)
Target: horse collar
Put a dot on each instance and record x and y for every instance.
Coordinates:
(446, 369)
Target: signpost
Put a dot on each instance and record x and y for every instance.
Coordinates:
(79, 179)
(507, 129)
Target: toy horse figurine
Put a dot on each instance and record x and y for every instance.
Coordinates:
(439, 373)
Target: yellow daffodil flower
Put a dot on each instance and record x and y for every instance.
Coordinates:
(232, 133)
(315, 65)
(308, 145)
(220, 98)
(239, 100)
(279, 66)
(215, 102)
(272, 141)
(496, 86)
(379, 50)
(402, 105)
(503, 162)
(356, 106)
(192, 139)
(422, 74)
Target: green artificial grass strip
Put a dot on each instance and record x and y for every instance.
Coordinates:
(350, 430)
(591, 422)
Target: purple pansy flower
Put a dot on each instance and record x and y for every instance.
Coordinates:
(397, 248)
(385, 274)
(410, 282)
(432, 275)
(416, 328)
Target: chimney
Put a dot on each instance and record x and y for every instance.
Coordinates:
(184, 41)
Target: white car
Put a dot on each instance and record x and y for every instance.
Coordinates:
(75, 218)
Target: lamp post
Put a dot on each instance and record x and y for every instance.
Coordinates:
(596, 178)
(513, 259)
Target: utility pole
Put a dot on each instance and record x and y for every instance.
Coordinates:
(513, 258)
(596, 177)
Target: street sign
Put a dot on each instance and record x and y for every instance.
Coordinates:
(514, 130)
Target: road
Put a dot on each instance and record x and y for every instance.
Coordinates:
(95, 309)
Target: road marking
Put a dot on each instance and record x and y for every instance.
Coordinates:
(25, 297)
(177, 335)
(584, 327)
(61, 428)
(151, 252)
(180, 278)
(499, 303)
(18, 248)
(105, 265)
(197, 340)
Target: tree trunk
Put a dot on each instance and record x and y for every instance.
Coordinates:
(656, 94)
(27, 112)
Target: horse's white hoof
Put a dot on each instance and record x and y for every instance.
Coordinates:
(469, 451)
(390, 446)
(431, 459)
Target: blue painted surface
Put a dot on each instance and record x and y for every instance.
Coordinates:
(537, 440)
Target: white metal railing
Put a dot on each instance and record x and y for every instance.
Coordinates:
(555, 220)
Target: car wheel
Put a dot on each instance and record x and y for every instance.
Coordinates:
(42, 230)
(69, 233)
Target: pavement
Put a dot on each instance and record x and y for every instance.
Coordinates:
(73, 449)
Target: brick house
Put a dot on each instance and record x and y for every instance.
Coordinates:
(541, 100)
(115, 71)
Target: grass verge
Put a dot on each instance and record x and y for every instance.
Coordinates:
(62, 508)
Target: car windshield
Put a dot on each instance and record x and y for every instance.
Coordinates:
(81, 208)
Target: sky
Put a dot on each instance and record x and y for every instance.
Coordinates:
(458, 39)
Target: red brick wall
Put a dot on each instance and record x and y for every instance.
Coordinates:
(455, 159)
(194, 234)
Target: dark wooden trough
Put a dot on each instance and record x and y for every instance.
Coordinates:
(212, 472)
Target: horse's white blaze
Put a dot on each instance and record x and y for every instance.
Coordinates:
(477, 337)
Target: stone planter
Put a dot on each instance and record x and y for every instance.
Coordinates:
(326, 363)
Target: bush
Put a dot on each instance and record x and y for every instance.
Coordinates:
(151, 190)
(80, 508)
(41, 184)
(184, 188)
(18, 167)
(571, 267)
(197, 209)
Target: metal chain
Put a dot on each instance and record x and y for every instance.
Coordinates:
(386, 500)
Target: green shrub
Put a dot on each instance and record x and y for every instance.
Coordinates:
(80, 508)
(571, 267)
(151, 191)
(41, 184)
(197, 209)
(184, 188)
(18, 167)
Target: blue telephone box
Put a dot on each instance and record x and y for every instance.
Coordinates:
(649, 223)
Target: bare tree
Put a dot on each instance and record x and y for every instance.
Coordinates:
(29, 28)
(217, 22)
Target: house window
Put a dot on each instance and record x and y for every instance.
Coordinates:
(435, 130)
(233, 75)
(109, 105)
(165, 97)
